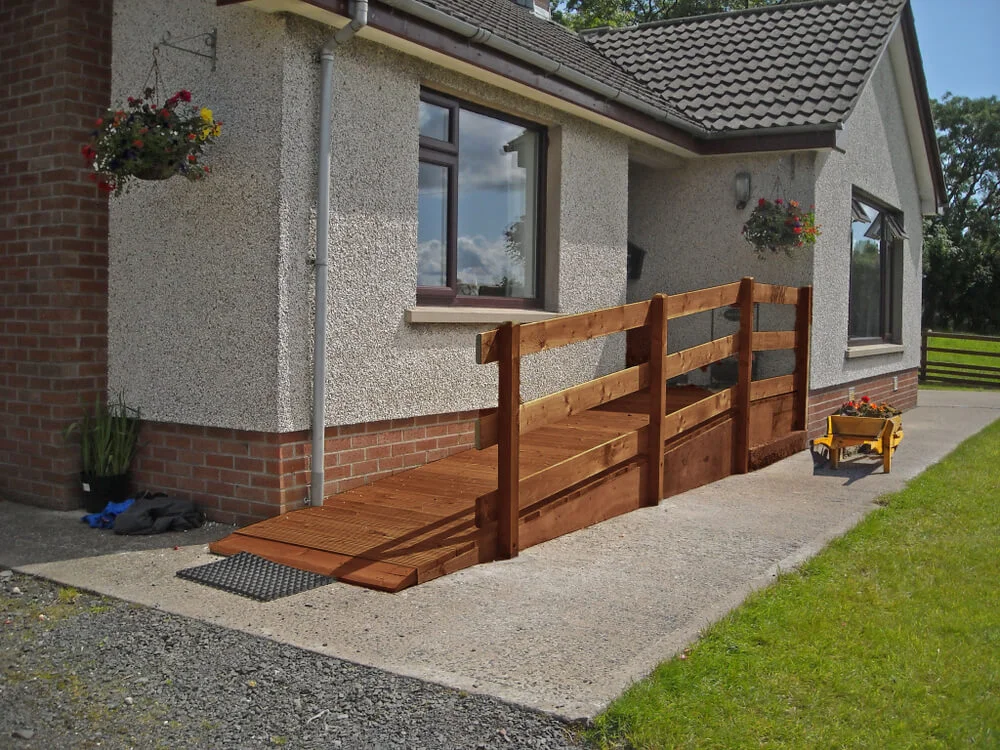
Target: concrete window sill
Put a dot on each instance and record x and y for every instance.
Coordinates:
(872, 350)
(475, 315)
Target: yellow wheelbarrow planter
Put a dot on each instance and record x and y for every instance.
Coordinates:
(881, 435)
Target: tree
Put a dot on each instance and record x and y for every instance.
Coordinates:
(962, 245)
(588, 14)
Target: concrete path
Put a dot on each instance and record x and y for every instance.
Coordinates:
(569, 624)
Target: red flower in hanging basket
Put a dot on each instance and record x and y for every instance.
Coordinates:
(775, 226)
(150, 141)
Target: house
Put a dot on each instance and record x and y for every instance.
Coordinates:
(485, 164)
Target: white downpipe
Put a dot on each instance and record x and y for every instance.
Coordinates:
(359, 18)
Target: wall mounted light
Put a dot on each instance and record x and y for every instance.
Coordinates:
(742, 189)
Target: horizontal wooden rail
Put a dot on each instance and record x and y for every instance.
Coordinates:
(566, 329)
(961, 336)
(779, 386)
(565, 474)
(958, 373)
(694, 414)
(566, 403)
(766, 341)
(686, 360)
(702, 300)
(967, 380)
(775, 295)
(646, 324)
(960, 366)
(970, 352)
(582, 466)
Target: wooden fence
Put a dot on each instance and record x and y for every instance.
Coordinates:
(509, 343)
(936, 369)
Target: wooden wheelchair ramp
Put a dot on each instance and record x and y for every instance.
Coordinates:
(565, 461)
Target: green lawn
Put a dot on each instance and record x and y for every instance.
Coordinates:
(973, 358)
(889, 638)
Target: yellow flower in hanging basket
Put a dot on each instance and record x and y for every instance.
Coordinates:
(150, 141)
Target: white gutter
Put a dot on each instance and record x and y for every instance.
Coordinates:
(359, 19)
(478, 35)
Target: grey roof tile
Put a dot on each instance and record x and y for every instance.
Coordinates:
(786, 65)
(798, 64)
(519, 25)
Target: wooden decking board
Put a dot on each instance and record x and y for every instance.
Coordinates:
(377, 575)
(406, 498)
(420, 524)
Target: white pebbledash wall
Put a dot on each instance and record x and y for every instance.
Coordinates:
(687, 221)
(211, 284)
(876, 158)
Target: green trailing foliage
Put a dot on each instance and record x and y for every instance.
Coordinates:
(109, 437)
(588, 14)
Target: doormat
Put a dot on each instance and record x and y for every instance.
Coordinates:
(254, 577)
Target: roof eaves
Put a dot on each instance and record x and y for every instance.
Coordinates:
(489, 38)
(794, 138)
(923, 105)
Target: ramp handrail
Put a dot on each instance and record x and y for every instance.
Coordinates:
(511, 341)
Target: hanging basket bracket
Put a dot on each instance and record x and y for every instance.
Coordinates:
(209, 38)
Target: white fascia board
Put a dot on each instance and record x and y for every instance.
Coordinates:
(472, 71)
(911, 115)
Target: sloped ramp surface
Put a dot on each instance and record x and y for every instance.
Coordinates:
(421, 524)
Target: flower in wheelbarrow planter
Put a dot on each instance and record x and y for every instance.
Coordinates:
(865, 407)
(146, 140)
(777, 226)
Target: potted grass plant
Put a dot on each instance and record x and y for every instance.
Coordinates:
(109, 440)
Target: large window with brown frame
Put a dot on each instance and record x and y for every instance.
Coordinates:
(877, 236)
(479, 206)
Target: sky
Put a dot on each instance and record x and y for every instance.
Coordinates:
(960, 46)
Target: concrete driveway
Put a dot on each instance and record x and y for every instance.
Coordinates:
(569, 624)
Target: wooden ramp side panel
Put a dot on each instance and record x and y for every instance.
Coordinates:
(701, 456)
(614, 494)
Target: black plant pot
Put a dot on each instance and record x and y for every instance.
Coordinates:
(99, 491)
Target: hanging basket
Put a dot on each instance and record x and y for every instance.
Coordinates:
(779, 227)
(162, 171)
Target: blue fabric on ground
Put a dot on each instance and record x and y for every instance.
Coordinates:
(106, 518)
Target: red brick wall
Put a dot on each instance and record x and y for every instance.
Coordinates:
(55, 61)
(238, 476)
(826, 401)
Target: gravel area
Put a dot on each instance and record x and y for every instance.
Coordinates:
(83, 671)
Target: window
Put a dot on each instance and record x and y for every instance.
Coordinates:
(480, 192)
(876, 271)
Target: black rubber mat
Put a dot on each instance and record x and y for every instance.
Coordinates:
(254, 577)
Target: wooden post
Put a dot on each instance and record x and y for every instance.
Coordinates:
(803, 325)
(508, 440)
(741, 405)
(923, 353)
(657, 397)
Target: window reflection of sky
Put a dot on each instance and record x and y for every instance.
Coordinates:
(866, 276)
(493, 193)
(434, 121)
